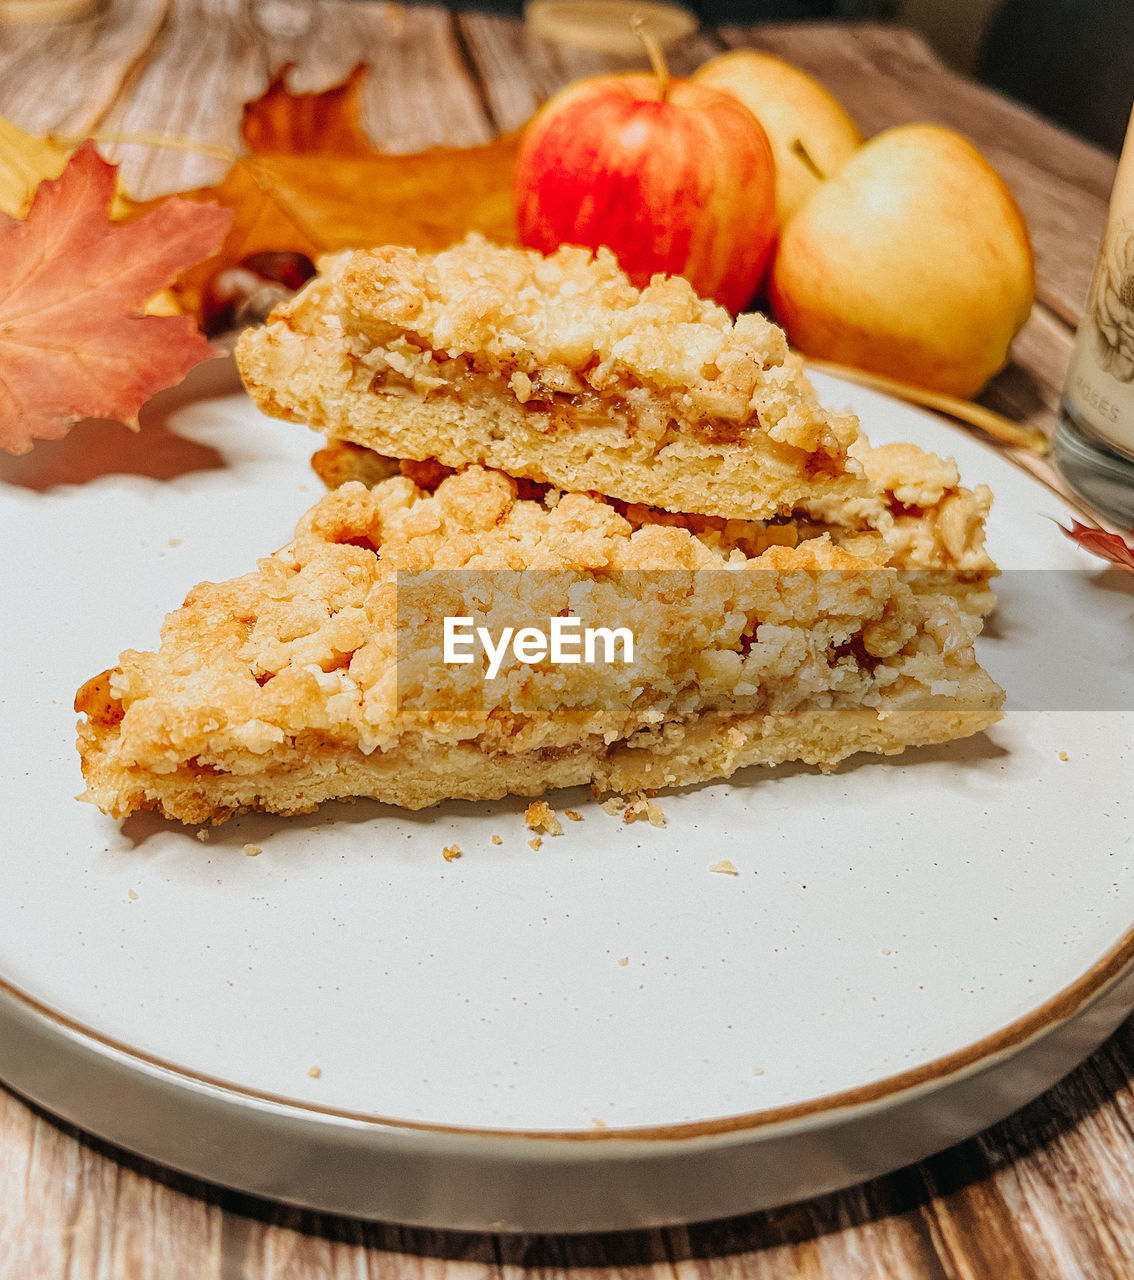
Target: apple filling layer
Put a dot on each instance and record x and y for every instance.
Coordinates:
(558, 370)
(322, 673)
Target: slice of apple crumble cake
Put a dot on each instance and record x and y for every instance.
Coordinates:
(321, 674)
(557, 370)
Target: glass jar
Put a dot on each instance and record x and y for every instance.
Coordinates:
(1094, 441)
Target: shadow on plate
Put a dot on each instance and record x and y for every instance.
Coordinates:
(233, 835)
(98, 447)
(140, 828)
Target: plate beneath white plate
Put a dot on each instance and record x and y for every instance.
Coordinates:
(601, 1032)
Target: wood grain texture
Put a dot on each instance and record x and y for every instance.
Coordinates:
(520, 71)
(419, 92)
(185, 72)
(204, 65)
(1048, 1192)
(62, 78)
(1029, 390)
(67, 1209)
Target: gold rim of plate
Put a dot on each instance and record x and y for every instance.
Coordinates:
(603, 26)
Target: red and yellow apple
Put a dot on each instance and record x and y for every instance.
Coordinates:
(913, 261)
(672, 176)
(812, 135)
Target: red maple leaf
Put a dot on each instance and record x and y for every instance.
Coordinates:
(73, 340)
(1101, 543)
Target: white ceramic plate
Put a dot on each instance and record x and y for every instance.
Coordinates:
(598, 1033)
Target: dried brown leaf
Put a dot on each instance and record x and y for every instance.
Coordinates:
(311, 184)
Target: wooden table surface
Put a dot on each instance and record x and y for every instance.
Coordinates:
(1048, 1192)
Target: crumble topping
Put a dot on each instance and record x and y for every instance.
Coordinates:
(570, 325)
(917, 508)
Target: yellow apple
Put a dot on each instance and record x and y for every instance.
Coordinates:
(795, 111)
(913, 261)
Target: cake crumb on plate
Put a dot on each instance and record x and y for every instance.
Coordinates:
(641, 805)
(540, 816)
